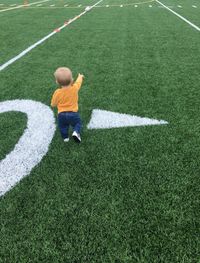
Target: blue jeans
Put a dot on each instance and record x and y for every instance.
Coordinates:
(66, 119)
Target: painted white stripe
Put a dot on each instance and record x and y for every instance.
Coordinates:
(181, 17)
(23, 53)
(33, 144)
(121, 5)
(136, 6)
(20, 6)
(179, 6)
(65, 5)
(194, 6)
(170, 6)
(39, 5)
(79, 5)
(150, 6)
(52, 5)
(107, 5)
(5, 65)
(13, 5)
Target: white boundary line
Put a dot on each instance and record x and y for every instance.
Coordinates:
(181, 17)
(20, 6)
(23, 53)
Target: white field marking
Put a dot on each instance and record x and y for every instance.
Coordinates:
(33, 144)
(102, 119)
(52, 5)
(179, 6)
(194, 6)
(39, 5)
(79, 5)
(130, 4)
(20, 6)
(181, 17)
(150, 6)
(121, 5)
(170, 6)
(13, 5)
(23, 53)
(99, 6)
(65, 5)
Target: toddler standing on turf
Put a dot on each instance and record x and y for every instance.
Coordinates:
(66, 100)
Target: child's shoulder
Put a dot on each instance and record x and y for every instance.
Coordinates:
(57, 91)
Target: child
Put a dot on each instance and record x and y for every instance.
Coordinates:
(66, 100)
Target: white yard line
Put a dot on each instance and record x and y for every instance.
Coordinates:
(23, 53)
(20, 6)
(181, 17)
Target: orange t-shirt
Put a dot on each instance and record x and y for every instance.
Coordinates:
(66, 99)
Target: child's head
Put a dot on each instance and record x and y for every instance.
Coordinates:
(63, 76)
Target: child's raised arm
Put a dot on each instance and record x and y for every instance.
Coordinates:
(79, 81)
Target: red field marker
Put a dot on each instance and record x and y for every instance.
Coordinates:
(57, 30)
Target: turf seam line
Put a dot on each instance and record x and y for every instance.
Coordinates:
(181, 17)
(27, 50)
(20, 6)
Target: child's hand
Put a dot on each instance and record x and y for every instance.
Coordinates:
(81, 75)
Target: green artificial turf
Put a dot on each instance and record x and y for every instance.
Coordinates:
(12, 124)
(122, 195)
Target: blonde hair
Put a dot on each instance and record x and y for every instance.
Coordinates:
(63, 76)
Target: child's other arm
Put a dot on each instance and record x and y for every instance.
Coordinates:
(79, 81)
(54, 100)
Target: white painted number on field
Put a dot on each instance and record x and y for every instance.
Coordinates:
(33, 144)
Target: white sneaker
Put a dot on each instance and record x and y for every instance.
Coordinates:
(76, 137)
(66, 139)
